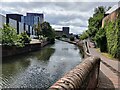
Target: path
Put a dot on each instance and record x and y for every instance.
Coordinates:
(35, 41)
(109, 77)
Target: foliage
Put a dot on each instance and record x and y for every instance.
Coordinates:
(113, 43)
(57, 37)
(64, 36)
(101, 40)
(37, 28)
(47, 31)
(9, 36)
(77, 37)
(94, 23)
(84, 35)
(24, 38)
(71, 38)
(52, 40)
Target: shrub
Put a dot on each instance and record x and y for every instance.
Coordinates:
(71, 38)
(57, 37)
(9, 36)
(101, 40)
(51, 40)
(64, 36)
(113, 38)
(24, 38)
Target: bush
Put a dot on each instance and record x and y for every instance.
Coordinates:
(24, 38)
(9, 36)
(51, 40)
(113, 38)
(101, 40)
(64, 36)
(71, 38)
(57, 37)
(84, 35)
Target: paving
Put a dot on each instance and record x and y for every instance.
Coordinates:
(109, 77)
(35, 41)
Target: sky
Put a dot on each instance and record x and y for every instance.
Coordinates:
(59, 13)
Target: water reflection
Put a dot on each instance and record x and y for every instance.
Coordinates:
(42, 68)
(45, 54)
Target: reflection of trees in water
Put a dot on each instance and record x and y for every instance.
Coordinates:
(11, 69)
(81, 51)
(45, 54)
(14, 64)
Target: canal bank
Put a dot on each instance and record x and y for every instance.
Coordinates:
(14, 50)
(81, 44)
(42, 68)
(83, 75)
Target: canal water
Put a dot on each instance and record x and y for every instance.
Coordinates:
(42, 68)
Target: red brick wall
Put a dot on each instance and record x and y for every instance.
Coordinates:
(111, 17)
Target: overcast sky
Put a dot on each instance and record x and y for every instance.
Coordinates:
(73, 13)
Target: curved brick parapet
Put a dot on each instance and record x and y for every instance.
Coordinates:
(83, 76)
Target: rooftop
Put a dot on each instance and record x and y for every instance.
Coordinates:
(115, 7)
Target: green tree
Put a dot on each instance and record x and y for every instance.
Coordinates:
(48, 31)
(101, 39)
(94, 23)
(37, 28)
(9, 35)
(64, 36)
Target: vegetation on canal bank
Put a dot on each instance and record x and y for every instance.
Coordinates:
(48, 31)
(107, 38)
(9, 36)
(45, 30)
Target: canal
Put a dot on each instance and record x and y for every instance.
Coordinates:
(42, 68)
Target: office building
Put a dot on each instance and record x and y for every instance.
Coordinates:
(32, 18)
(65, 30)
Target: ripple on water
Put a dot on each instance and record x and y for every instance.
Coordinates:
(42, 72)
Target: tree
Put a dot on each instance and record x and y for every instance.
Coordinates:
(64, 36)
(9, 35)
(95, 22)
(47, 31)
(37, 29)
(101, 39)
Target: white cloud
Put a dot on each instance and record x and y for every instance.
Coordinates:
(59, 1)
(57, 13)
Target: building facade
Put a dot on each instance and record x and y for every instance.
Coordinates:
(59, 33)
(32, 18)
(65, 30)
(2, 20)
(37, 15)
(111, 15)
(16, 17)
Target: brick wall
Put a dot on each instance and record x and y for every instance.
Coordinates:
(111, 17)
(82, 77)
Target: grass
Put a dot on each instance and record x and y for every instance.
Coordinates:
(105, 54)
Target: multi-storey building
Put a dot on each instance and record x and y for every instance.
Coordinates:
(66, 30)
(32, 18)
